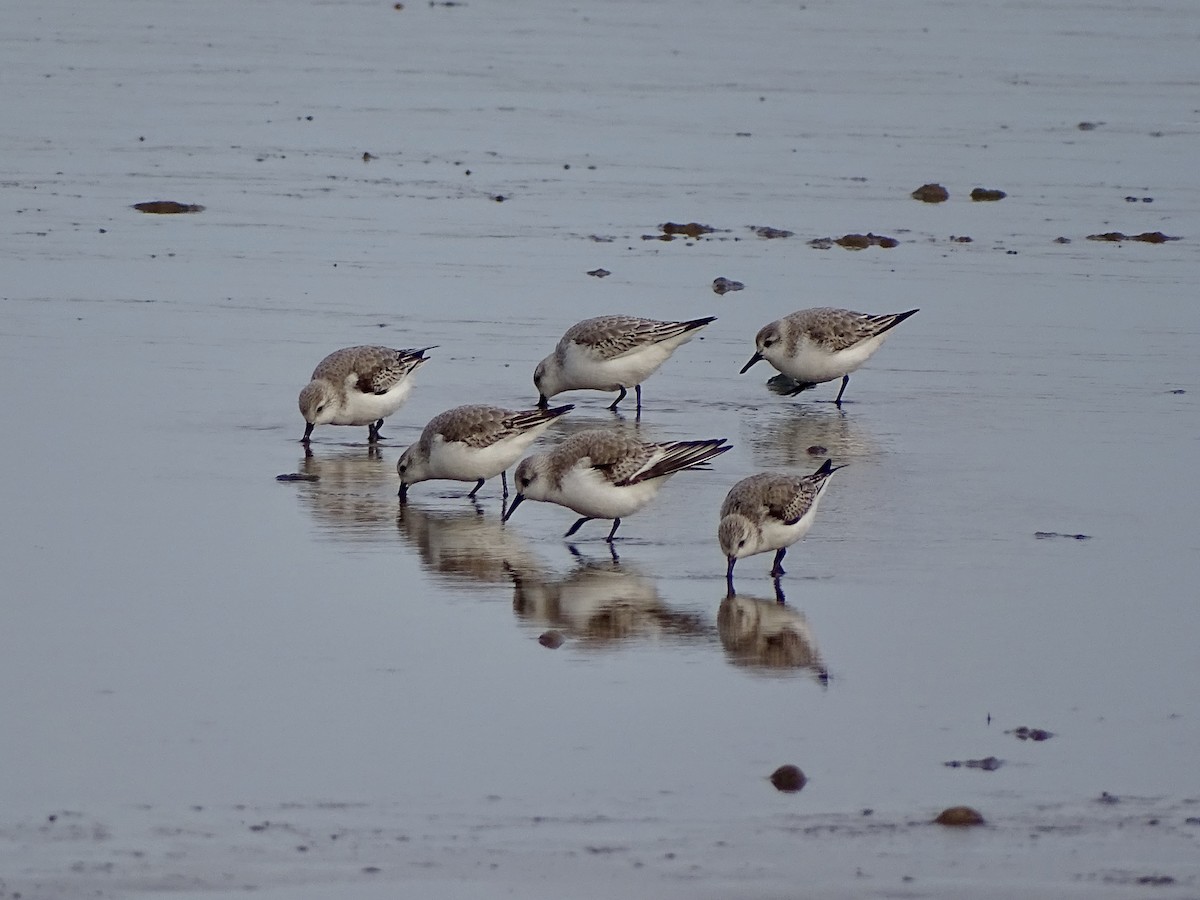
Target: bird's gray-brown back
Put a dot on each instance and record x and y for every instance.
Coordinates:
(480, 426)
(609, 337)
(782, 497)
(378, 369)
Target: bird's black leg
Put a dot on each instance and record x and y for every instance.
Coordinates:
(504, 481)
(373, 432)
(638, 389)
(777, 569)
(620, 397)
(616, 525)
(574, 528)
(475, 490)
(845, 381)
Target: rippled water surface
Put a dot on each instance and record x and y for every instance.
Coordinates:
(216, 682)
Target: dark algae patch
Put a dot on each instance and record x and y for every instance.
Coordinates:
(983, 195)
(855, 241)
(1043, 535)
(766, 231)
(724, 285)
(1026, 733)
(167, 207)
(1146, 237)
(987, 764)
(672, 230)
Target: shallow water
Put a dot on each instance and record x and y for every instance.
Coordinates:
(208, 670)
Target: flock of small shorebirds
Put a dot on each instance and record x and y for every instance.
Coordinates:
(605, 473)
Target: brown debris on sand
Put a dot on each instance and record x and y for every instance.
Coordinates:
(766, 231)
(855, 241)
(931, 193)
(1146, 237)
(672, 230)
(724, 285)
(959, 817)
(987, 194)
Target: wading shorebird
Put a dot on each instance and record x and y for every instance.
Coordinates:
(604, 474)
(813, 346)
(359, 386)
(769, 512)
(473, 443)
(611, 353)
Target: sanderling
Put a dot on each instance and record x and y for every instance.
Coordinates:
(604, 474)
(473, 443)
(769, 512)
(611, 353)
(359, 386)
(817, 345)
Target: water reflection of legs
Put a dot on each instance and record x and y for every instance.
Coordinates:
(779, 597)
(575, 552)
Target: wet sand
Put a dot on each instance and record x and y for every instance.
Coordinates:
(218, 683)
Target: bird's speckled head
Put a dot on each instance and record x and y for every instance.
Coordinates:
(529, 479)
(546, 379)
(737, 536)
(411, 466)
(318, 402)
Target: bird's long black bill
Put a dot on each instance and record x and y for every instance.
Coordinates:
(308, 428)
(756, 358)
(517, 501)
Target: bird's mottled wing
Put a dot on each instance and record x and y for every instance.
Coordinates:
(379, 372)
(608, 337)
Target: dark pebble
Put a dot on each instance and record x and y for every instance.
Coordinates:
(298, 476)
(959, 817)
(788, 779)
(931, 193)
(551, 639)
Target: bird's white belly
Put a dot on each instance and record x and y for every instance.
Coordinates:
(364, 409)
(815, 365)
(458, 462)
(585, 371)
(590, 494)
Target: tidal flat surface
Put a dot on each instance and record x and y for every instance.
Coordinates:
(216, 682)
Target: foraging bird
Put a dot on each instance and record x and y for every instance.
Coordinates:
(611, 353)
(605, 474)
(818, 345)
(473, 443)
(769, 512)
(359, 386)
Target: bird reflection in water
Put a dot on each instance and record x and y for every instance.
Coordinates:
(601, 603)
(768, 636)
(346, 493)
(465, 544)
(800, 435)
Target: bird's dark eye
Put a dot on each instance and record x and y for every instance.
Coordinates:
(767, 342)
(526, 482)
(741, 543)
